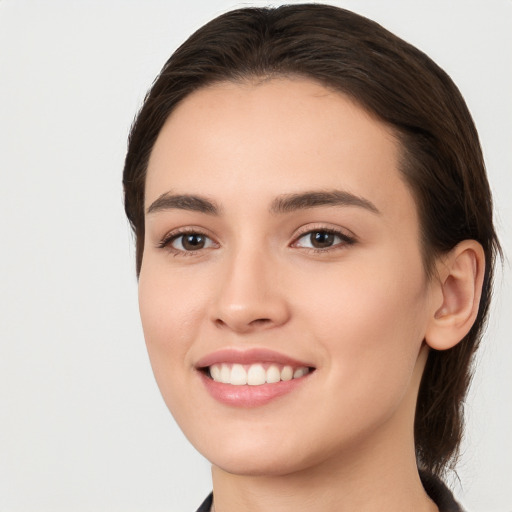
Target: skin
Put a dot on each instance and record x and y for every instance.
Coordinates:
(357, 312)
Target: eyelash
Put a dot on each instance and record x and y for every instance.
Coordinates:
(346, 240)
(168, 239)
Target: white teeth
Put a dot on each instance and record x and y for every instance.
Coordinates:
(225, 374)
(215, 372)
(287, 373)
(238, 375)
(273, 374)
(254, 374)
(300, 372)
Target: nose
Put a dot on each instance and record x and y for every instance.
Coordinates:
(250, 295)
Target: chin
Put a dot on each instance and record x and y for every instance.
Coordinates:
(267, 456)
(254, 455)
(258, 465)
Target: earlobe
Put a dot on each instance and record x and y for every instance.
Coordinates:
(461, 275)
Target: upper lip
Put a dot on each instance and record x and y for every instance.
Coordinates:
(248, 356)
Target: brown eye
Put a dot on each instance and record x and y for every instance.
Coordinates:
(322, 239)
(191, 242)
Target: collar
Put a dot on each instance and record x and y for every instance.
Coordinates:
(435, 488)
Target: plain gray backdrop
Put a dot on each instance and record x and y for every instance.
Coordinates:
(82, 424)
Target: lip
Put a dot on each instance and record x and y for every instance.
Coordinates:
(250, 356)
(246, 396)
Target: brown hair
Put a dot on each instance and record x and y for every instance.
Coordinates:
(441, 156)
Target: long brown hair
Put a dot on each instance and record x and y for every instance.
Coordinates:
(441, 156)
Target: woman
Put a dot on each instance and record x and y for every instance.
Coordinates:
(315, 251)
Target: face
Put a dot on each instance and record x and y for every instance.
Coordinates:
(282, 291)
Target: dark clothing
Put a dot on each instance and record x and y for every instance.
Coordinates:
(206, 505)
(439, 493)
(435, 488)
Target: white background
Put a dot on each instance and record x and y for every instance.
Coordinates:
(82, 425)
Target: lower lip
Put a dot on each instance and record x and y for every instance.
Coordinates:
(250, 396)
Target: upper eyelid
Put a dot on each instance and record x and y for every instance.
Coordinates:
(311, 228)
(347, 237)
(171, 235)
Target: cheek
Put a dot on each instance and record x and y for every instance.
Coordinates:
(381, 292)
(169, 314)
(370, 322)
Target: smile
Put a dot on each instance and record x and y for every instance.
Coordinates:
(251, 378)
(255, 374)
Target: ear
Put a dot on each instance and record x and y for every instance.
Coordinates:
(460, 275)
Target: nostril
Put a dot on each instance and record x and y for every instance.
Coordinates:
(243, 325)
(260, 321)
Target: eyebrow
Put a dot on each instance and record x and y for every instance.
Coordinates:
(168, 201)
(314, 199)
(282, 204)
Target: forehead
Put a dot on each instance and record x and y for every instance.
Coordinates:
(276, 136)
